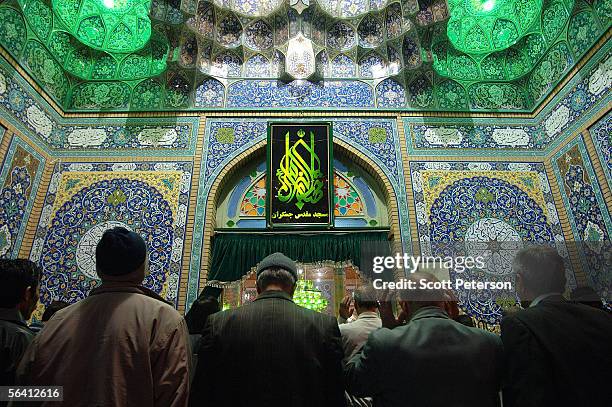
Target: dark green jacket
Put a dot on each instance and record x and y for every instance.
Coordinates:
(559, 354)
(15, 336)
(432, 361)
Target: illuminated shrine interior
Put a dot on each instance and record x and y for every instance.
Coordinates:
(451, 121)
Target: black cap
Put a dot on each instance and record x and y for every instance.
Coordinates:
(120, 252)
(277, 260)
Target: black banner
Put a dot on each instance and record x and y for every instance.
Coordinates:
(299, 174)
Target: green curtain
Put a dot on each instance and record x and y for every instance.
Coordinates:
(234, 254)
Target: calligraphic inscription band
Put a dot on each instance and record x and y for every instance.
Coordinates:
(299, 166)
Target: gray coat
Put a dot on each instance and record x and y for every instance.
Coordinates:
(432, 361)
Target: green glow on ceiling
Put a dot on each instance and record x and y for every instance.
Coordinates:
(87, 63)
(80, 77)
(116, 5)
(106, 25)
(485, 6)
(511, 63)
(484, 26)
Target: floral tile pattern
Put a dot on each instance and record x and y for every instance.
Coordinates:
(371, 66)
(601, 134)
(258, 36)
(390, 94)
(462, 207)
(268, 93)
(341, 36)
(210, 93)
(342, 67)
(257, 66)
(36, 118)
(19, 182)
(149, 198)
(588, 213)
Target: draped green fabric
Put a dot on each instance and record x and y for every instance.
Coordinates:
(234, 254)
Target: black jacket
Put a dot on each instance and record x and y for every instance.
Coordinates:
(15, 336)
(559, 353)
(270, 352)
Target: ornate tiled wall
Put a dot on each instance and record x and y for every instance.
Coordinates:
(20, 175)
(226, 139)
(72, 139)
(500, 202)
(171, 162)
(390, 55)
(582, 97)
(588, 213)
(601, 133)
(33, 116)
(84, 199)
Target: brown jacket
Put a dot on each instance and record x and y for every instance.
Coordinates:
(121, 346)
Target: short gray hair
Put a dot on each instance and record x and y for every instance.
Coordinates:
(542, 269)
(365, 297)
(275, 276)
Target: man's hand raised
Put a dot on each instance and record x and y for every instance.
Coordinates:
(344, 308)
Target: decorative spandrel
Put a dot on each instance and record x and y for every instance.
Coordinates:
(347, 201)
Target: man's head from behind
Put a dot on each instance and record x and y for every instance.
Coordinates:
(199, 312)
(411, 300)
(52, 308)
(276, 272)
(539, 270)
(121, 256)
(365, 299)
(19, 285)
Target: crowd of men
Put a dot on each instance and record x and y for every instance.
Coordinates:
(124, 345)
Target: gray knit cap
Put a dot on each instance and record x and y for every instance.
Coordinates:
(278, 260)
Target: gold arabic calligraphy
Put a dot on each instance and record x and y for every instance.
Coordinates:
(299, 178)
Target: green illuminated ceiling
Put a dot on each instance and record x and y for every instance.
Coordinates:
(174, 55)
(105, 25)
(484, 26)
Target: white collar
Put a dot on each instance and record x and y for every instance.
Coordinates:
(541, 297)
(368, 314)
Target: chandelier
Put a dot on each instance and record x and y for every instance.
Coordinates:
(308, 296)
